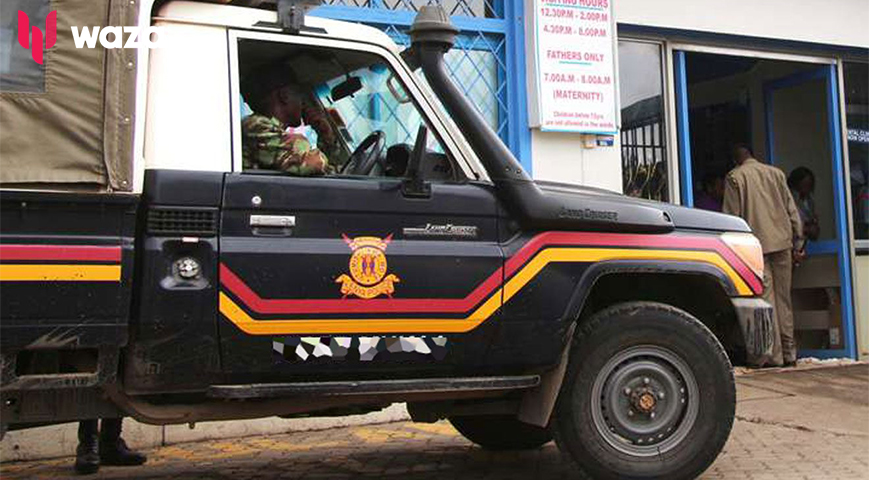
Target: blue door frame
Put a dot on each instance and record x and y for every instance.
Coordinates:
(683, 130)
(841, 245)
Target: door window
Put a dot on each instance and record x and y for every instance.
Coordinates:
(644, 133)
(314, 111)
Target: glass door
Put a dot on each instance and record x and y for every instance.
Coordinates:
(804, 139)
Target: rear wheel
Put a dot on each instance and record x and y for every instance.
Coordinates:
(648, 393)
(501, 432)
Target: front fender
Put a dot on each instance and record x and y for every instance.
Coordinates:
(596, 272)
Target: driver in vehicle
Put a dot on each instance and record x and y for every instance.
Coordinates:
(285, 132)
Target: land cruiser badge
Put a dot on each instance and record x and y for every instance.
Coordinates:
(368, 269)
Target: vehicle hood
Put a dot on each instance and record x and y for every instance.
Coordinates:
(683, 218)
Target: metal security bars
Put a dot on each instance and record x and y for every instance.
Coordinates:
(468, 8)
(644, 157)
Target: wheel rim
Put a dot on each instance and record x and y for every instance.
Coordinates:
(644, 401)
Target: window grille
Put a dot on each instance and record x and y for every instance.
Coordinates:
(477, 63)
(644, 157)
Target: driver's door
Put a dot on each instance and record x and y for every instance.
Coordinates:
(330, 276)
(345, 273)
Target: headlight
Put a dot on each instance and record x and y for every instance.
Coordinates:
(747, 247)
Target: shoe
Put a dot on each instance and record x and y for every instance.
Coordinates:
(791, 363)
(87, 457)
(113, 448)
(118, 454)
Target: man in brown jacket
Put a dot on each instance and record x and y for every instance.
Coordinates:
(759, 194)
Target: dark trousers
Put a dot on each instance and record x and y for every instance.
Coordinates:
(88, 429)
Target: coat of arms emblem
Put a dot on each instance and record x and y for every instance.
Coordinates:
(368, 269)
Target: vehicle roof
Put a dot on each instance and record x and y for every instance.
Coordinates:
(247, 18)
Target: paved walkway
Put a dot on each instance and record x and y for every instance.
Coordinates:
(804, 424)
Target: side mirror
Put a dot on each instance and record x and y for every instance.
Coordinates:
(397, 90)
(414, 185)
(346, 88)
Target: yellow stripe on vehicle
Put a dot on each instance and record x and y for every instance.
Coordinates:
(332, 326)
(549, 255)
(252, 326)
(60, 273)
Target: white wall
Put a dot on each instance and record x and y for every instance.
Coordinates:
(561, 157)
(838, 22)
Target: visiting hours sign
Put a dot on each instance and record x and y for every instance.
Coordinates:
(572, 66)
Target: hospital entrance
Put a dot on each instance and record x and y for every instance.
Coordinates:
(787, 112)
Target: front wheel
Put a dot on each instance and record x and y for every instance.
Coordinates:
(501, 432)
(648, 393)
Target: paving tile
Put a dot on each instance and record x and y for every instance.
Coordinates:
(756, 450)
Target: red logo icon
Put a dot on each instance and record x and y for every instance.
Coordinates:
(25, 31)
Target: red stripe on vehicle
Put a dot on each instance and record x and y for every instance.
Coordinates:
(573, 239)
(85, 253)
(349, 305)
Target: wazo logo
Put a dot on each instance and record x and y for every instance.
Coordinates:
(153, 37)
(25, 32)
(31, 38)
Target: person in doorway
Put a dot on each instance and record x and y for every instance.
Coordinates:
(802, 184)
(103, 446)
(712, 193)
(759, 194)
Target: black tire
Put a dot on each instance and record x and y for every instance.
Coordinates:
(629, 356)
(501, 432)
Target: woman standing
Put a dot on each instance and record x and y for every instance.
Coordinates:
(802, 184)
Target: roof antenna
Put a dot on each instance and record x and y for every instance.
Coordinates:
(291, 14)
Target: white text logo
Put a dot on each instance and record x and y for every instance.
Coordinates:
(113, 37)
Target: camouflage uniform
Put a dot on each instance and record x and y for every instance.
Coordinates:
(267, 145)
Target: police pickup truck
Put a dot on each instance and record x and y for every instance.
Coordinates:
(177, 282)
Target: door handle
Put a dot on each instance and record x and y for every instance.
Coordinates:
(272, 225)
(274, 221)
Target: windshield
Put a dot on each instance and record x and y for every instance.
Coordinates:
(382, 103)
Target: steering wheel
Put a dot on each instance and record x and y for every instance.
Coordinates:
(366, 155)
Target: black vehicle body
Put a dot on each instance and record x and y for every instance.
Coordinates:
(212, 286)
(154, 333)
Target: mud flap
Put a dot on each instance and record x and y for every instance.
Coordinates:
(756, 321)
(537, 404)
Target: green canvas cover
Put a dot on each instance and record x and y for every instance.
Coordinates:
(75, 127)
